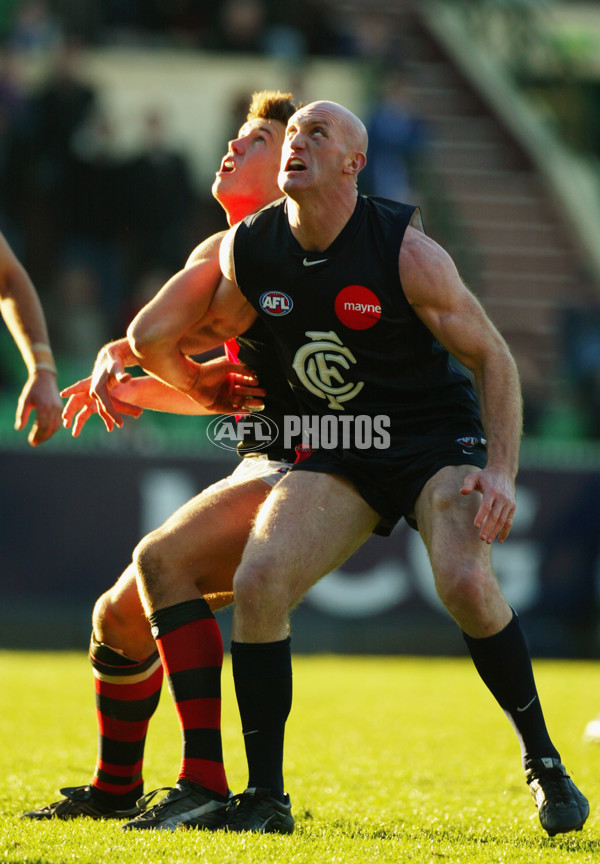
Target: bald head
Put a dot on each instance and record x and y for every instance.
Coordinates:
(352, 126)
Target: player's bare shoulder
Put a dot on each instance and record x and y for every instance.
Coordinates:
(424, 266)
(228, 303)
(226, 254)
(208, 250)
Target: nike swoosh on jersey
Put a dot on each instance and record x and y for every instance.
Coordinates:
(308, 263)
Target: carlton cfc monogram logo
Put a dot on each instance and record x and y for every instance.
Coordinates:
(317, 364)
(276, 303)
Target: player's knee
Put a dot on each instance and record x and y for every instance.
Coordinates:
(153, 549)
(256, 587)
(108, 621)
(249, 584)
(463, 587)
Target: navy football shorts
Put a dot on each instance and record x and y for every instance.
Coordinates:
(391, 481)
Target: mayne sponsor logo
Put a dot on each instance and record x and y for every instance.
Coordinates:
(276, 303)
(357, 307)
(228, 430)
(362, 308)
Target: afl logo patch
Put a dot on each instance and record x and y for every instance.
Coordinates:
(276, 303)
(467, 441)
(357, 307)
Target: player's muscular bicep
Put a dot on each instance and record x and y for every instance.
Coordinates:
(179, 305)
(439, 297)
(428, 275)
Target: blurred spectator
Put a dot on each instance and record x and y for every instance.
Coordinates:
(161, 195)
(13, 101)
(398, 140)
(95, 197)
(241, 25)
(372, 35)
(285, 42)
(81, 19)
(76, 319)
(62, 105)
(13, 132)
(303, 28)
(58, 110)
(35, 29)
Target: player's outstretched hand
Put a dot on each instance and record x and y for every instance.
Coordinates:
(108, 373)
(494, 519)
(81, 405)
(40, 394)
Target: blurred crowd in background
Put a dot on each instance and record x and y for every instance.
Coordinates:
(100, 234)
(266, 26)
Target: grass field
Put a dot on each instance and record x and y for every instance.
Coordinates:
(387, 759)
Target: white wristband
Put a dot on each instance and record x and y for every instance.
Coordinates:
(48, 367)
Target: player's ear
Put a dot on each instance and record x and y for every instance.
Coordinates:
(355, 163)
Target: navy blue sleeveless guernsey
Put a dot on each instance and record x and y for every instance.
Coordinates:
(349, 340)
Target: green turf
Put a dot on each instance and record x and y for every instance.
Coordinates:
(387, 759)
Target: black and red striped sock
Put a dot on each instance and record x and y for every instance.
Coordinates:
(190, 645)
(127, 694)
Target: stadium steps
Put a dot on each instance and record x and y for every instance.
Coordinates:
(524, 257)
(528, 270)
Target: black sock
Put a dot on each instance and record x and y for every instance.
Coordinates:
(262, 673)
(504, 665)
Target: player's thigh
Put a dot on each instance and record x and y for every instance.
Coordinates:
(206, 536)
(309, 525)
